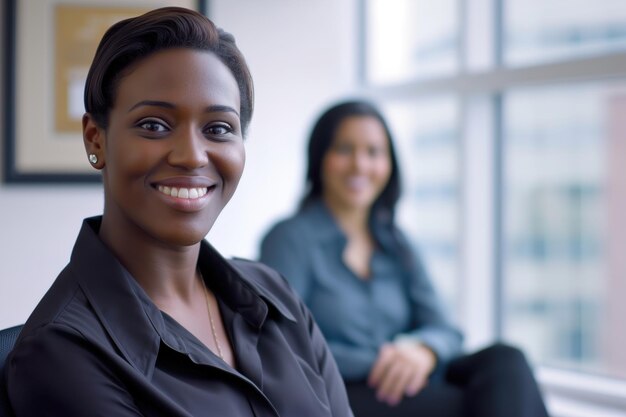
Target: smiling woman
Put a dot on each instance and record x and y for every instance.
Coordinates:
(370, 294)
(175, 124)
(148, 319)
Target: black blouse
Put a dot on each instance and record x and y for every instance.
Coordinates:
(96, 345)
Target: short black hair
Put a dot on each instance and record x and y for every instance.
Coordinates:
(320, 141)
(133, 39)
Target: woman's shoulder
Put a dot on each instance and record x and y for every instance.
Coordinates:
(400, 236)
(64, 312)
(61, 326)
(269, 284)
(308, 222)
(289, 229)
(390, 233)
(62, 298)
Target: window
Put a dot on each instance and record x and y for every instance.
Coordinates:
(412, 38)
(564, 180)
(559, 29)
(510, 116)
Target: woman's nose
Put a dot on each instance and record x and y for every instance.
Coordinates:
(359, 160)
(188, 150)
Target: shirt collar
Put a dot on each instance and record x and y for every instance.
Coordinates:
(232, 283)
(107, 286)
(322, 222)
(324, 226)
(132, 320)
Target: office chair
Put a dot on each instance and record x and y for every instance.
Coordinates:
(7, 340)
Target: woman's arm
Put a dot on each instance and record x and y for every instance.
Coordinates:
(432, 325)
(354, 362)
(402, 368)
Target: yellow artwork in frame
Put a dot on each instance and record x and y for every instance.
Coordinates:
(78, 29)
(49, 48)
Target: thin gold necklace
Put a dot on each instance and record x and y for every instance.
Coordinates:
(208, 305)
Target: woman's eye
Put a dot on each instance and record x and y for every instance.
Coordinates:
(153, 126)
(373, 152)
(218, 130)
(343, 148)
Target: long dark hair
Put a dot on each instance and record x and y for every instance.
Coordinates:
(131, 40)
(320, 141)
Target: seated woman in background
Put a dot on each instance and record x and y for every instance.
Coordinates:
(147, 319)
(370, 294)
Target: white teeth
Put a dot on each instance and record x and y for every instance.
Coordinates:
(186, 193)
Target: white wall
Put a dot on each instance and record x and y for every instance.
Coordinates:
(302, 55)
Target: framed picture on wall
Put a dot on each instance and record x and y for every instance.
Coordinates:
(49, 47)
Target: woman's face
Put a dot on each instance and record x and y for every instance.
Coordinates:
(357, 166)
(173, 149)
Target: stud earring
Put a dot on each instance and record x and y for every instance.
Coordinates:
(93, 158)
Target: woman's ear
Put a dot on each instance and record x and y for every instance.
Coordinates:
(93, 138)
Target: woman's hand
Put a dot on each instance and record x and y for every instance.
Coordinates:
(401, 369)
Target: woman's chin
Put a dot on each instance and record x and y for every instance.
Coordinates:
(182, 237)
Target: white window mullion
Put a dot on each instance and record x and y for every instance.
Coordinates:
(478, 286)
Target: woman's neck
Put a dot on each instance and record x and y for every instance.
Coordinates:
(352, 221)
(163, 272)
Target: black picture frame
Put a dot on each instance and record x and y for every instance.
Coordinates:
(13, 172)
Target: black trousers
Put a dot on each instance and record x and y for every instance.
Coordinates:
(494, 382)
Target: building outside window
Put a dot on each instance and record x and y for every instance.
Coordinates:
(563, 253)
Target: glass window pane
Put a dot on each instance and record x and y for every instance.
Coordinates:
(427, 137)
(564, 225)
(410, 38)
(539, 30)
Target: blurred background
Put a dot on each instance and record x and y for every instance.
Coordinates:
(508, 116)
